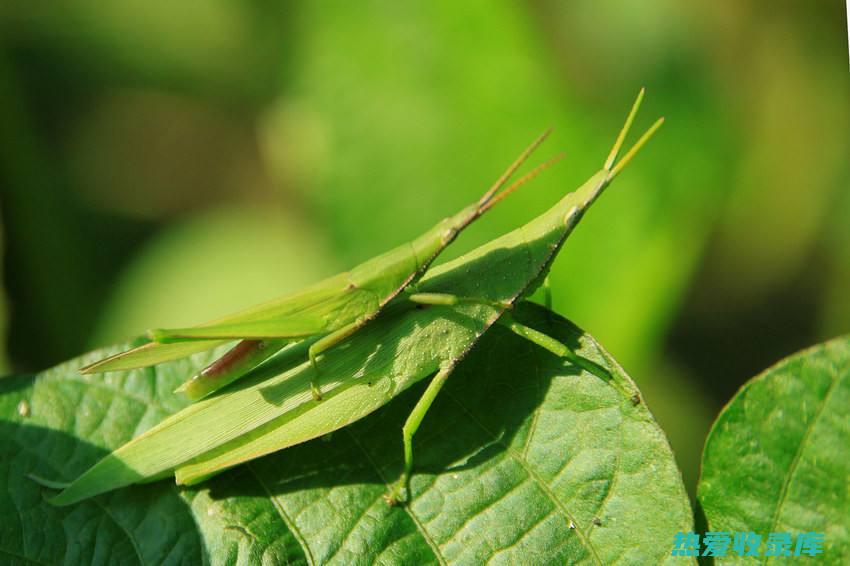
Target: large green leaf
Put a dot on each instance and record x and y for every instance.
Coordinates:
(776, 459)
(521, 458)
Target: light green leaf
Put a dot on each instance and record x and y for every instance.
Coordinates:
(776, 459)
(518, 447)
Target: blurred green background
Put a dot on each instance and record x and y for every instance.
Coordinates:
(162, 163)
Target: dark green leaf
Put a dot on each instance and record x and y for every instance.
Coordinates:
(522, 458)
(776, 459)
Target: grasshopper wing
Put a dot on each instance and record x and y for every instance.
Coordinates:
(318, 300)
(296, 326)
(150, 354)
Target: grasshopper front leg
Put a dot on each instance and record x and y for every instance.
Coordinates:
(326, 343)
(547, 293)
(449, 300)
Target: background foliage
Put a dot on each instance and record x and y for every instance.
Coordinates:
(162, 163)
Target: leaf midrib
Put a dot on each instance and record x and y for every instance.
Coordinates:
(419, 526)
(544, 487)
(293, 528)
(792, 469)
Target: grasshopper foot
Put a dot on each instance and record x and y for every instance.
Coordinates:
(314, 389)
(399, 493)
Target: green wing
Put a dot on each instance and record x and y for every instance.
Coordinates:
(295, 326)
(315, 302)
(150, 354)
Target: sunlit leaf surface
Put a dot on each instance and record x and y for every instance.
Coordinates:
(776, 459)
(522, 458)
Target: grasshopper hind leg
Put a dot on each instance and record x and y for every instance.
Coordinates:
(449, 300)
(242, 358)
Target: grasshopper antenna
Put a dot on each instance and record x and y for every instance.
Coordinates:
(521, 181)
(614, 169)
(615, 150)
(634, 149)
(482, 203)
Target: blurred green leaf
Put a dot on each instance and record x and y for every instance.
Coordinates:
(789, 172)
(835, 308)
(520, 459)
(224, 49)
(402, 115)
(4, 364)
(144, 153)
(776, 459)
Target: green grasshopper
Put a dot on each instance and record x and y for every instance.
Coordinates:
(453, 306)
(333, 309)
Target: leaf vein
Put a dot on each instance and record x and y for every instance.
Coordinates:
(283, 516)
(612, 483)
(489, 504)
(540, 482)
(21, 557)
(535, 415)
(425, 535)
(783, 493)
(351, 530)
(95, 500)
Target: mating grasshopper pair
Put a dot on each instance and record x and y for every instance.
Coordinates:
(366, 359)
(333, 309)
